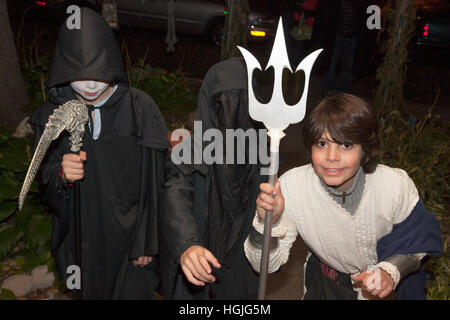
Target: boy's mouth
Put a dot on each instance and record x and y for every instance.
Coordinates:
(333, 171)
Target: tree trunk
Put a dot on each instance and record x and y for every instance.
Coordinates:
(391, 73)
(13, 93)
(236, 28)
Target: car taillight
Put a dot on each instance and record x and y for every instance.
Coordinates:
(41, 3)
(425, 31)
(257, 33)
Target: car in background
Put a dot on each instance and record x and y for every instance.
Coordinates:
(433, 28)
(196, 17)
(431, 43)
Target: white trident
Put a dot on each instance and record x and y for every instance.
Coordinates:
(276, 116)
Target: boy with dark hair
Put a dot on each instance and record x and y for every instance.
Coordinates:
(364, 223)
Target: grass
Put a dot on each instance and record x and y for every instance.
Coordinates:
(423, 151)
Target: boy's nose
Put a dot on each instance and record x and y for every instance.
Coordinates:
(333, 153)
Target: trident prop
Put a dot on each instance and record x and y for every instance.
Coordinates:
(71, 116)
(276, 116)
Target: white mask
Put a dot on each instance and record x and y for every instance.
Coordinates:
(89, 89)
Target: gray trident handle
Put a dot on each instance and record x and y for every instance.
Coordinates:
(264, 264)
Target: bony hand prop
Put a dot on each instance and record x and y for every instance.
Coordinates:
(71, 116)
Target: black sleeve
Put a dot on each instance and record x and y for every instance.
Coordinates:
(152, 136)
(146, 238)
(179, 225)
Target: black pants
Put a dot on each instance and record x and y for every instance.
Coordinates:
(321, 287)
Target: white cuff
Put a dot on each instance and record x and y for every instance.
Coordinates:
(392, 270)
(278, 229)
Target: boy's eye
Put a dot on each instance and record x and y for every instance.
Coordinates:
(347, 145)
(321, 144)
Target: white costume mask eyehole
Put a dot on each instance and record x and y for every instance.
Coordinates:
(89, 89)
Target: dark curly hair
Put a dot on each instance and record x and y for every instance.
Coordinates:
(347, 119)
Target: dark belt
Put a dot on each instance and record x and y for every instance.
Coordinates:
(324, 283)
(328, 271)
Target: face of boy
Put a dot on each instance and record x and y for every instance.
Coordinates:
(89, 90)
(336, 164)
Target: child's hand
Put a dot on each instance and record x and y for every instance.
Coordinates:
(73, 166)
(142, 261)
(381, 287)
(270, 199)
(195, 264)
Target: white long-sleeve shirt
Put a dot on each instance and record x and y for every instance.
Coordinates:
(345, 242)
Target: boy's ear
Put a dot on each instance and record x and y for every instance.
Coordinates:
(364, 158)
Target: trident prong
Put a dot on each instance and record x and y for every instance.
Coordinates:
(276, 113)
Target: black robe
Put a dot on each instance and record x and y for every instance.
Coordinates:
(123, 173)
(213, 205)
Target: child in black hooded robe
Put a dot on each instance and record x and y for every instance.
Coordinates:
(119, 168)
(208, 208)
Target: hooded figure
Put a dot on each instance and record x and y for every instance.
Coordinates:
(212, 206)
(125, 145)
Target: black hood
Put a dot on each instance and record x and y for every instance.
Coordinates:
(231, 189)
(90, 52)
(222, 77)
